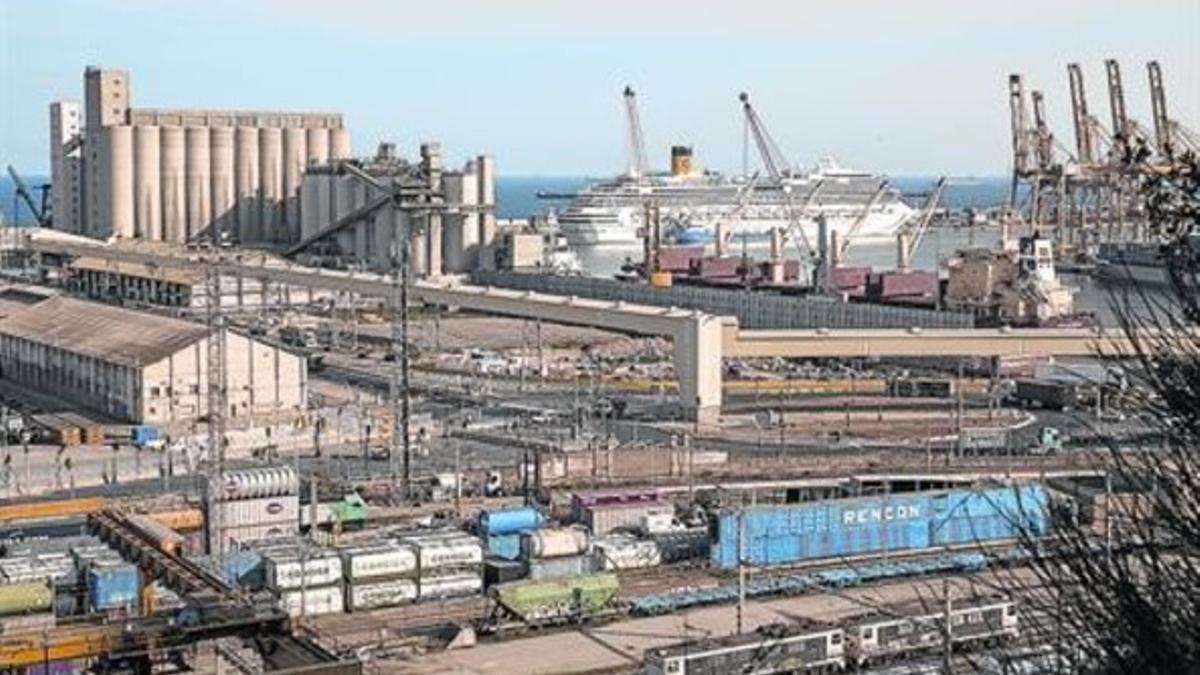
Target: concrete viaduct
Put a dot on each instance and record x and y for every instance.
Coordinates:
(700, 340)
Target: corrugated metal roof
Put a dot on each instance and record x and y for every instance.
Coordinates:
(17, 298)
(172, 275)
(110, 334)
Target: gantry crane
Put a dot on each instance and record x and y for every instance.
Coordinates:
(638, 166)
(1158, 108)
(1085, 127)
(773, 158)
(912, 233)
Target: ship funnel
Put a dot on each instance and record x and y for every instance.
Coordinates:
(681, 160)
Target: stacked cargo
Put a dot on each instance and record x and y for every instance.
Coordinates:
(869, 525)
(448, 563)
(308, 580)
(380, 575)
(501, 529)
(625, 552)
(556, 553)
(258, 503)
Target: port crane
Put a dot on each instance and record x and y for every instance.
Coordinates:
(833, 250)
(773, 159)
(40, 213)
(910, 236)
(638, 167)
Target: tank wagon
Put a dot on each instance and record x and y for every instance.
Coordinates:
(543, 603)
(868, 525)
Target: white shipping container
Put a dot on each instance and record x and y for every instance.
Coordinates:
(364, 596)
(624, 553)
(317, 568)
(316, 601)
(554, 543)
(384, 560)
(26, 623)
(603, 519)
(450, 586)
(657, 523)
(441, 552)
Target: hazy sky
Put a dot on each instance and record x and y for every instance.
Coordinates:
(898, 86)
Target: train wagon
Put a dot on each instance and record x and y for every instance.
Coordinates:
(978, 621)
(778, 648)
(547, 602)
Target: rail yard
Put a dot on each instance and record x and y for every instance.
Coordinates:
(269, 405)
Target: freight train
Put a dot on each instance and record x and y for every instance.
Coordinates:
(816, 647)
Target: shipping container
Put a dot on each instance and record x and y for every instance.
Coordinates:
(509, 521)
(376, 594)
(444, 551)
(142, 434)
(655, 523)
(380, 560)
(601, 519)
(314, 568)
(869, 525)
(506, 546)
(26, 623)
(450, 586)
(624, 552)
(347, 513)
(1047, 394)
(500, 571)
(246, 520)
(25, 597)
(315, 601)
(112, 585)
(544, 569)
(244, 568)
(554, 543)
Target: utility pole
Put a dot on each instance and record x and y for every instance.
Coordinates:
(217, 407)
(398, 383)
(947, 634)
(741, 559)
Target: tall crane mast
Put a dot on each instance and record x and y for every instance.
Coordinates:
(1085, 142)
(1043, 138)
(637, 144)
(1019, 122)
(773, 159)
(1116, 100)
(1158, 108)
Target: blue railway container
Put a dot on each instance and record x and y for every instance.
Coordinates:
(506, 546)
(244, 568)
(509, 521)
(866, 525)
(112, 585)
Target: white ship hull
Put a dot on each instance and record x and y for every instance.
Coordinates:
(623, 227)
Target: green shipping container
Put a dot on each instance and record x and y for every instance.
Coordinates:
(25, 597)
(545, 598)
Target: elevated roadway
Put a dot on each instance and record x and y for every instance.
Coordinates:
(700, 340)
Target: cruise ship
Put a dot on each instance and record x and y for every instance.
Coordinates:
(611, 212)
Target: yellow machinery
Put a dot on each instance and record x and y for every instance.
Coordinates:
(52, 509)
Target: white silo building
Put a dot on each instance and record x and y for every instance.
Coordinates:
(174, 175)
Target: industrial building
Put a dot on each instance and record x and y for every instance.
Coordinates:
(354, 211)
(177, 174)
(140, 368)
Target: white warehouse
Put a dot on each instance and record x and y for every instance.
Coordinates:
(141, 368)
